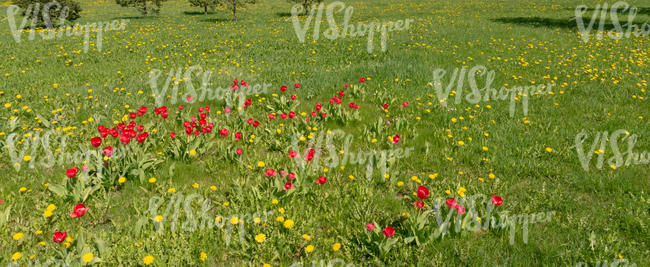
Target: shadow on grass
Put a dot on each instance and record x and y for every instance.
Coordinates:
(217, 20)
(194, 13)
(547, 22)
(136, 17)
(639, 10)
(287, 14)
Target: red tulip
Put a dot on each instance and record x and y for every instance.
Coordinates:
(293, 154)
(341, 93)
(96, 141)
(322, 180)
(172, 135)
(140, 128)
(288, 186)
(293, 97)
(418, 204)
(370, 226)
(79, 210)
(451, 203)
(271, 116)
(353, 106)
(72, 172)
(165, 115)
(0, 201)
(296, 85)
(405, 104)
(108, 151)
(239, 151)
(271, 173)
(385, 106)
(389, 231)
(223, 132)
(256, 123)
(292, 114)
(237, 135)
(423, 192)
(460, 209)
(125, 139)
(496, 200)
(362, 79)
(283, 115)
(133, 115)
(396, 139)
(141, 137)
(248, 103)
(291, 176)
(283, 88)
(189, 99)
(59, 237)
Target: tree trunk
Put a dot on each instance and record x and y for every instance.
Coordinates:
(205, 10)
(145, 8)
(306, 5)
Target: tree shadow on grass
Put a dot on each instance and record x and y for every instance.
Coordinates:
(136, 17)
(217, 20)
(639, 10)
(538, 22)
(194, 13)
(287, 14)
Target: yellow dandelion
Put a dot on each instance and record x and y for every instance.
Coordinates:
(260, 238)
(148, 260)
(88, 257)
(288, 224)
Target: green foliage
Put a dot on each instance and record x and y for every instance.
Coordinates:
(49, 12)
(205, 4)
(234, 4)
(306, 4)
(142, 5)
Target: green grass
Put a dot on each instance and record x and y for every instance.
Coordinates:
(600, 86)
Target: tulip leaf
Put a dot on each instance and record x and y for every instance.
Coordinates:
(57, 189)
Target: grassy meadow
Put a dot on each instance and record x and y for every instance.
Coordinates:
(152, 201)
